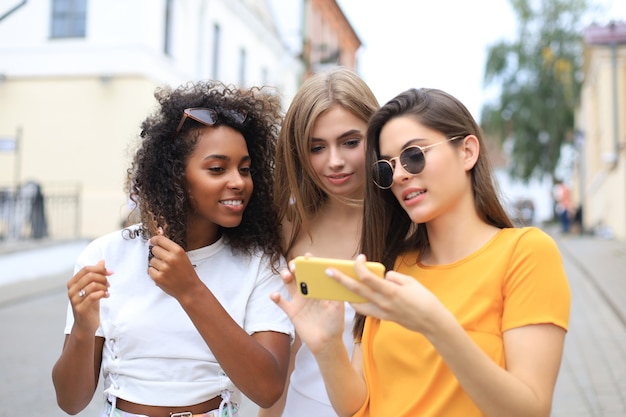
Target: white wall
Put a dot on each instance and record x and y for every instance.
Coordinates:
(79, 102)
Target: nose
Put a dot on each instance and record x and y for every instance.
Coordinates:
(335, 159)
(399, 173)
(236, 181)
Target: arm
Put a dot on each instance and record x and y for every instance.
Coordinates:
(524, 388)
(319, 324)
(257, 364)
(76, 372)
(277, 409)
(532, 353)
(345, 385)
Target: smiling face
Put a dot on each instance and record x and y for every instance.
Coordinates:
(441, 185)
(218, 179)
(337, 152)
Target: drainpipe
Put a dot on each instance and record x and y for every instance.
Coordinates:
(14, 9)
(306, 40)
(615, 94)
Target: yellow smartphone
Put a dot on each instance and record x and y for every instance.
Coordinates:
(313, 282)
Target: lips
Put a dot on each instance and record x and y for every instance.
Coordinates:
(338, 179)
(337, 176)
(413, 194)
(231, 202)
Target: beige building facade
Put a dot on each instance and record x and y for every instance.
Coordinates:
(77, 78)
(600, 180)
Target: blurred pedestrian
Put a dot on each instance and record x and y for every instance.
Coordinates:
(320, 176)
(38, 223)
(563, 205)
(174, 311)
(473, 317)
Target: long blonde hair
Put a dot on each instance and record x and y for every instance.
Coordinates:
(298, 193)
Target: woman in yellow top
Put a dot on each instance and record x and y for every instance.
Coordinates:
(473, 317)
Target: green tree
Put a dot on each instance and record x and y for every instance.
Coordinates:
(539, 83)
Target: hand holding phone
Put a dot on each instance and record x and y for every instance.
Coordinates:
(313, 282)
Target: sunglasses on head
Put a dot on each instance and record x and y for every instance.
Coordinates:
(209, 117)
(412, 160)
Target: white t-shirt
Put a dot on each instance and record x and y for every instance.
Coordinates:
(306, 396)
(153, 354)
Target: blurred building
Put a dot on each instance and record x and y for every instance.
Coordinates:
(600, 178)
(329, 39)
(77, 78)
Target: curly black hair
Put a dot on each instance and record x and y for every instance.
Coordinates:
(156, 177)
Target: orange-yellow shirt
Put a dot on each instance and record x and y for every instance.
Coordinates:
(516, 279)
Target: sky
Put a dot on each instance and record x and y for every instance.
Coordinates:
(438, 44)
(443, 44)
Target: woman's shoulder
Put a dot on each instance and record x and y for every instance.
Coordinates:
(527, 233)
(127, 236)
(530, 237)
(118, 244)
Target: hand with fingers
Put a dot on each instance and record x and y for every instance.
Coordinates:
(85, 290)
(399, 298)
(170, 267)
(316, 321)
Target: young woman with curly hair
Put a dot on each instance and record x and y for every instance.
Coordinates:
(174, 310)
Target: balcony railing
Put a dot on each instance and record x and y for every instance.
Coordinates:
(35, 211)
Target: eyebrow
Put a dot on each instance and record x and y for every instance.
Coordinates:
(225, 157)
(345, 134)
(410, 142)
(413, 142)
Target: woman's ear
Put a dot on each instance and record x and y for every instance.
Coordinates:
(471, 149)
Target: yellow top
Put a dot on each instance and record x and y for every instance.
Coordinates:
(516, 279)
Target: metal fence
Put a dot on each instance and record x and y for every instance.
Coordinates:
(34, 211)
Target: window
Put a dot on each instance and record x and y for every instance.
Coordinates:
(216, 51)
(242, 67)
(167, 35)
(69, 18)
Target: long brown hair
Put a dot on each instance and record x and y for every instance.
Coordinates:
(387, 229)
(297, 191)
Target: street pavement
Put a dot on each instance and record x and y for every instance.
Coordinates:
(592, 381)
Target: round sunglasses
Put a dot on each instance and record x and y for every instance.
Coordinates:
(412, 160)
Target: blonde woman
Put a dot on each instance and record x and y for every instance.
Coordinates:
(320, 174)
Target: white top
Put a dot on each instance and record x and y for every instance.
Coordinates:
(153, 354)
(306, 396)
